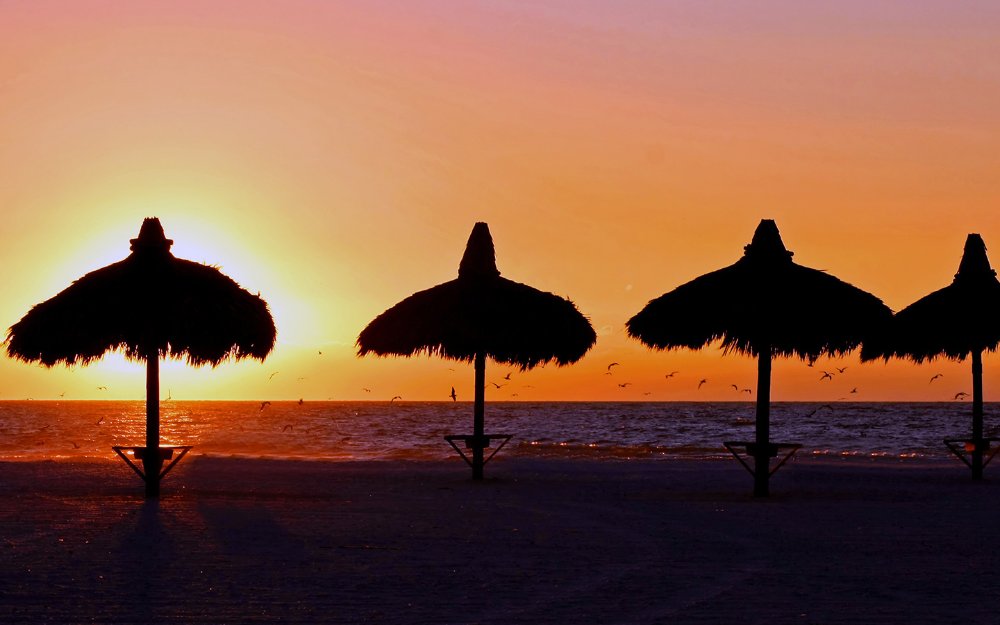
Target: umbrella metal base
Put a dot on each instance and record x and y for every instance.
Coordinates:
(166, 452)
(963, 448)
(481, 442)
(775, 450)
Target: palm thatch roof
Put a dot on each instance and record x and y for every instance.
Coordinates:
(481, 311)
(762, 299)
(148, 300)
(961, 318)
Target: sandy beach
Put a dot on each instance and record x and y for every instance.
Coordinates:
(540, 541)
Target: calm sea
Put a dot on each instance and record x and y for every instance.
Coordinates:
(380, 430)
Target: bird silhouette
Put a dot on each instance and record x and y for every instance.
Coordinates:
(702, 381)
(63, 394)
(840, 369)
(747, 391)
(507, 377)
(367, 390)
(936, 376)
(961, 395)
(853, 390)
(301, 401)
(624, 384)
(735, 388)
(263, 405)
(671, 374)
(454, 397)
(395, 397)
(826, 375)
(498, 385)
(272, 375)
(614, 364)
(321, 352)
(102, 388)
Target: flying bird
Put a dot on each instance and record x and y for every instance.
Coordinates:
(507, 377)
(63, 394)
(854, 390)
(454, 397)
(498, 385)
(624, 384)
(671, 374)
(840, 369)
(702, 381)
(614, 364)
(826, 375)
(263, 405)
(961, 395)
(272, 375)
(735, 388)
(395, 397)
(936, 376)
(747, 391)
(367, 390)
(102, 388)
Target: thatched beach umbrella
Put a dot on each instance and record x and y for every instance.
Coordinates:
(149, 305)
(960, 320)
(480, 315)
(764, 305)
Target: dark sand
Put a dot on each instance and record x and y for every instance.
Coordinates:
(541, 541)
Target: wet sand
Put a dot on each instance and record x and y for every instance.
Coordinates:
(540, 541)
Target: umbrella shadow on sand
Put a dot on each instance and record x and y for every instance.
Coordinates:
(764, 306)
(150, 305)
(477, 316)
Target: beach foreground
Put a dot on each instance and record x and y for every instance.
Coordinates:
(540, 541)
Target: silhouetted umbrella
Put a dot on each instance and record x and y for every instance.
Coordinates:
(480, 315)
(959, 320)
(149, 305)
(764, 305)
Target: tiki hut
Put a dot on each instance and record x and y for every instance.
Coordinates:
(764, 305)
(958, 321)
(477, 316)
(150, 305)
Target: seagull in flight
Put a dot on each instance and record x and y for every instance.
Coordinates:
(826, 374)
(936, 376)
(702, 381)
(102, 388)
(624, 384)
(453, 396)
(853, 390)
(671, 374)
(840, 369)
(395, 398)
(263, 405)
(614, 364)
(961, 395)
(507, 377)
(746, 390)
(735, 388)
(499, 386)
(272, 375)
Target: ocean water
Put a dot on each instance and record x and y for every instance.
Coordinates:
(415, 430)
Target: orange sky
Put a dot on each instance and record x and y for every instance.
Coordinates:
(334, 156)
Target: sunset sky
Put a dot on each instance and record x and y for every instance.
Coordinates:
(334, 156)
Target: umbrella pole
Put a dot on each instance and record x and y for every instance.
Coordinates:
(152, 461)
(478, 417)
(762, 426)
(977, 414)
